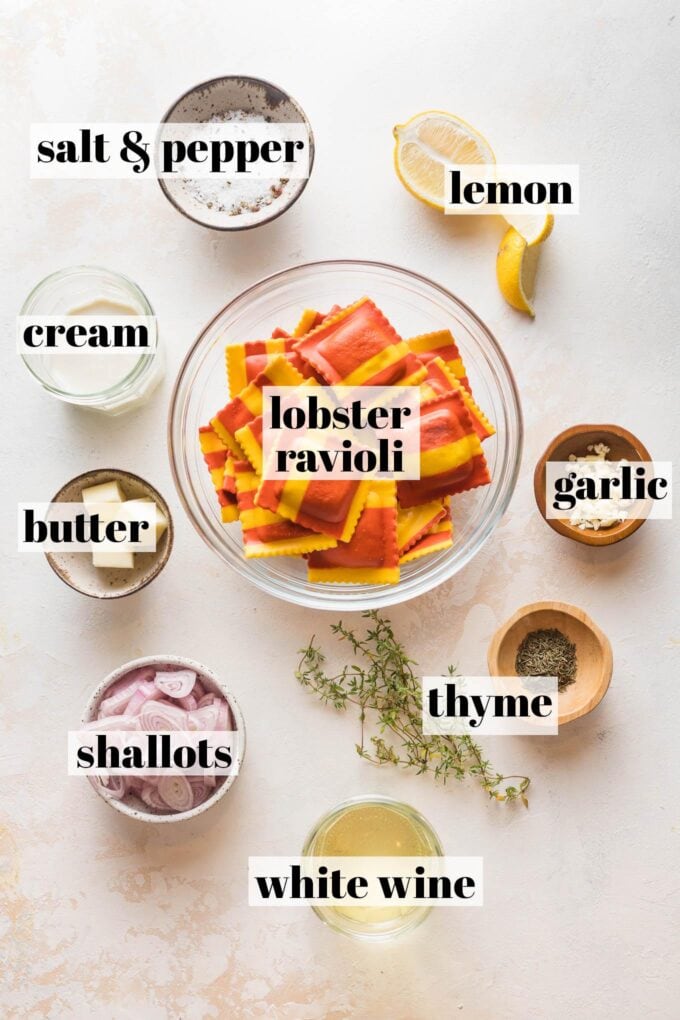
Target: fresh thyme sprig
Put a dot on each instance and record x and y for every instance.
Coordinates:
(387, 690)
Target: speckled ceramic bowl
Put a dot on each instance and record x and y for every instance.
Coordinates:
(76, 568)
(131, 805)
(225, 95)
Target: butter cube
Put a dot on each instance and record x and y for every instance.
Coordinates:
(107, 492)
(161, 519)
(118, 559)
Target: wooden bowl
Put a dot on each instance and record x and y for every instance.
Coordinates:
(594, 661)
(622, 445)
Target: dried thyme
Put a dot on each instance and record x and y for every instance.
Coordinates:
(547, 653)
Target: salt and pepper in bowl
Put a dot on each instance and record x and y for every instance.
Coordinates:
(238, 202)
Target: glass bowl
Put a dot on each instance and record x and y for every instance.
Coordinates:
(414, 305)
(76, 287)
(363, 923)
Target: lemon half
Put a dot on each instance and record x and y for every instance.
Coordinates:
(426, 144)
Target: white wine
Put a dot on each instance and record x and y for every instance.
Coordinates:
(373, 827)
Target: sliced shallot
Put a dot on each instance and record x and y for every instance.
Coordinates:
(117, 702)
(145, 692)
(224, 720)
(203, 718)
(114, 787)
(208, 699)
(113, 722)
(141, 673)
(176, 791)
(177, 684)
(152, 798)
(118, 695)
(159, 716)
(199, 790)
(158, 701)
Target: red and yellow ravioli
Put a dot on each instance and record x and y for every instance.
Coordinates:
(349, 531)
(440, 344)
(247, 405)
(328, 505)
(266, 533)
(372, 555)
(438, 538)
(246, 361)
(451, 457)
(413, 522)
(441, 379)
(359, 347)
(217, 456)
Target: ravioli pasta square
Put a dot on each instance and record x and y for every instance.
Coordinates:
(330, 506)
(372, 555)
(266, 533)
(451, 457)
(440, 344)
(358, 346)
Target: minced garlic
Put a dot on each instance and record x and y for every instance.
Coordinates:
(600, 513)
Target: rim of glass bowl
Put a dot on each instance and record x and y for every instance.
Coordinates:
(266, 574)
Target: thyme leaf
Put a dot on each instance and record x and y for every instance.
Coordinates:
(381, 682)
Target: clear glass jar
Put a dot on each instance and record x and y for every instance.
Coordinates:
(373, 924)
(62, 293)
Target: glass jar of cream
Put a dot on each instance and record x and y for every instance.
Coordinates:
(112, 383)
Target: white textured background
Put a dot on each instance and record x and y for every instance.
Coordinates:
(105, 919)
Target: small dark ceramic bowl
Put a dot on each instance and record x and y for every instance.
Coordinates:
(223, 95)
(76, 568)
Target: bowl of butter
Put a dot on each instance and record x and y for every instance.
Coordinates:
(112, 573)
